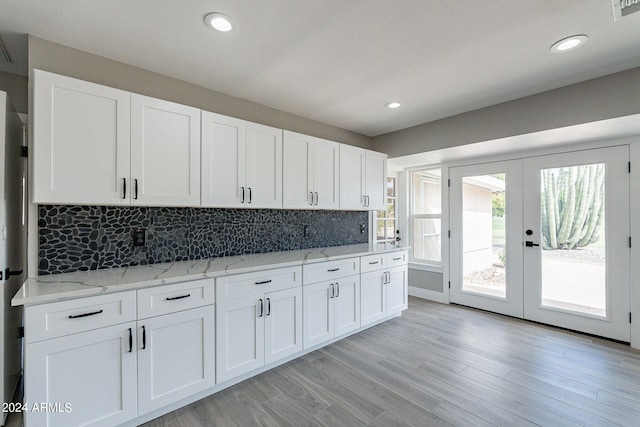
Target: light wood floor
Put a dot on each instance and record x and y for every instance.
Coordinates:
(438, 365)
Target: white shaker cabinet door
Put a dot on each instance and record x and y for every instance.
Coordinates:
(282, 324)
(318, 309)
(224, 151)
(352, 178)
(347, 305)
(165, 153)
(239, 337)
(297, 171)
(264, 166)
(81, 147)
(94, 372)
(326, 174)
(397, 290)
(176, 358)
(376, 180)
(373, 297)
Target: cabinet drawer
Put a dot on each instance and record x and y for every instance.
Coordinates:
(244, 285)
(329, 270)
(373, 262)
(395, 259)
(172, 298)
(69, 317)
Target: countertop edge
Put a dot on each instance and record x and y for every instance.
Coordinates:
(226, 266)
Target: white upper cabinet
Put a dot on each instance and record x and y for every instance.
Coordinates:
(224, 149)
(165, 153)
(310, 172)
(81, 147)
(264, 166)
(99, 145)
(241, 163)
(363, 177)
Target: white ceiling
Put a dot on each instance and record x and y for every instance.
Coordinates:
(340, 61)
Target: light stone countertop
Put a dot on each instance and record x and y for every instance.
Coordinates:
(58, 287)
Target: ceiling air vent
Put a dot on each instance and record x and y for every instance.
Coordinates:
(622, 8)
(4, 55)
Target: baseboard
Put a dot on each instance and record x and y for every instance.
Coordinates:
(427, 294)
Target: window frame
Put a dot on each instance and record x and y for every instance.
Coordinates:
(428, 265)
(385, 219)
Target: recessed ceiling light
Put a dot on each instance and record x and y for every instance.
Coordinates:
(392, 104)
(569, 43)
(220, 22)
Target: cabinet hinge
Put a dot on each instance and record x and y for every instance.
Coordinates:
(24, 151)
(449, 285)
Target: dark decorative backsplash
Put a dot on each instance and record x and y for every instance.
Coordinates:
(76, 238)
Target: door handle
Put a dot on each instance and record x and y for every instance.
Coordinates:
(316, 198)
(144, 338)
(364, 201)
(338, 290)
(311, 198)
(242, 194)
(261, 308)
(333, 291)
(130, 341)
(530, 244)
(249, 195)
(135, 189)
(268, 306)
(124, 188)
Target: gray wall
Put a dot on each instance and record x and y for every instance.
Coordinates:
(56, 58)
(16, 88)
(428, 280)
(607, 97)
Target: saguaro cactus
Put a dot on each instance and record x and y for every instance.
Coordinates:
(572, 206)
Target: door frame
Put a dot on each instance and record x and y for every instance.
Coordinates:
(633, 142)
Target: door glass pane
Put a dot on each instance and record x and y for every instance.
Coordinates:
(483, 244)
(573, 238)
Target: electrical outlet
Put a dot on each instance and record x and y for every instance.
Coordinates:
(139, 237)
(363, 228)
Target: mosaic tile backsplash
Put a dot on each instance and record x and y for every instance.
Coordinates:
(74, 238)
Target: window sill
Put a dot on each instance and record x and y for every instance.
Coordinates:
(426, 267)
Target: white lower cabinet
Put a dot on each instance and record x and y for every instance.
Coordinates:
(94, 373)
(331, 309)
(109, 359)
(257, 330)
(384, 292)
(176, 357)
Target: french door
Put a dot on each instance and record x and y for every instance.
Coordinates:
(546, 239)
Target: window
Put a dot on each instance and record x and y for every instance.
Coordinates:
(426, 216)
(386, 224)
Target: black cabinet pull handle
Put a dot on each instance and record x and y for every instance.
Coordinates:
(373, 262)
(178, 297)
(144, 338)
(242, 194)
(249, 195)
(93, 313)
(397, 259)
(135, 189)
(124, 188)
(333, 291)
(268, 306)
(261, 308)
(130, 340)
(338, 290)
(263, 282)
(333, 269)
